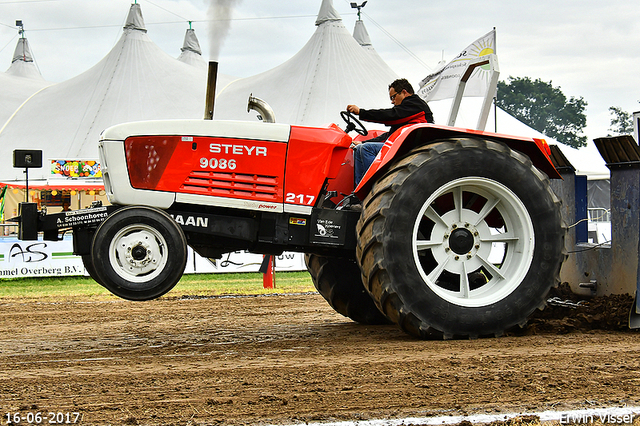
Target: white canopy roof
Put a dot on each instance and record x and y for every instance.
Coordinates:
(587, 161)
(16, 90)
(331, 71)
(136, 80)
(191, 52)
(22, 64)
(361, 35)
(20, 81)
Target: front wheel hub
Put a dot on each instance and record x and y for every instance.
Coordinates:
(461, 241)
(139, 252)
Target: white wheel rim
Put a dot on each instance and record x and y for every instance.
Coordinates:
(497, 259)
(138, 253)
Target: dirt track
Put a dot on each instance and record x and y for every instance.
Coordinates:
(290, 359)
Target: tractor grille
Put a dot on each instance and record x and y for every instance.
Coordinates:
(257, 187)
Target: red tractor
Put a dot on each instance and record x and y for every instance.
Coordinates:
(458, 233)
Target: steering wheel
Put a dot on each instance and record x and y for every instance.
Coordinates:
(353, 123)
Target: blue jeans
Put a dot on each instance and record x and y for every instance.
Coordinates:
(364, 154)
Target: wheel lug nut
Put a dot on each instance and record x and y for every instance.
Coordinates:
(447, 249)
(469, 256)
(466, 225)
(457, 258)
(475, 234)
(477, 246)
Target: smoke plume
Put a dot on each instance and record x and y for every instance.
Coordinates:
(219, 15)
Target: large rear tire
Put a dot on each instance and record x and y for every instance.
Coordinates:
(339, 282)
(461, 238)
(139, 253)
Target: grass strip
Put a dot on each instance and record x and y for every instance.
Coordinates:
(58, 289)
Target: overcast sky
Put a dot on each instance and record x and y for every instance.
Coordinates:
(588, 48)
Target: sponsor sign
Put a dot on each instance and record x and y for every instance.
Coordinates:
(76, 168)
(242, 261)
(55, 258)
(38, 258)
(82, 217)
(328, 227)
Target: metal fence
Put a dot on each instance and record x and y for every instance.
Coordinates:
(599, 214)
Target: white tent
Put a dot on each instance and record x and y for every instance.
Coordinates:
(19, 82)
(587, 161)
(331, 71)
(136, 80)
(191, 52)
(361, 35)
(22, 64)
(16, 90)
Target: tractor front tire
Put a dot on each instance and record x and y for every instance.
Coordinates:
(139, 253)
(462, 238)
(88, 266)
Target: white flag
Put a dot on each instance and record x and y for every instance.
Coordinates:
(443, 83)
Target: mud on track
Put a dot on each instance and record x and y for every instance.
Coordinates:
(290, 359)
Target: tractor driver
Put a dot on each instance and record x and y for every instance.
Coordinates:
(408, 108)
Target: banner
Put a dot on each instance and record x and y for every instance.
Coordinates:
(38, 258)
(55, 258)
(76, 168)
(242, 261)
(443, 83)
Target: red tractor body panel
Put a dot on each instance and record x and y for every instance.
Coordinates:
(226, 167)
(316, 155)
(292, 172)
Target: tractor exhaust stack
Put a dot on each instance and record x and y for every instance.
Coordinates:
(211, 90)
(266, 113)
